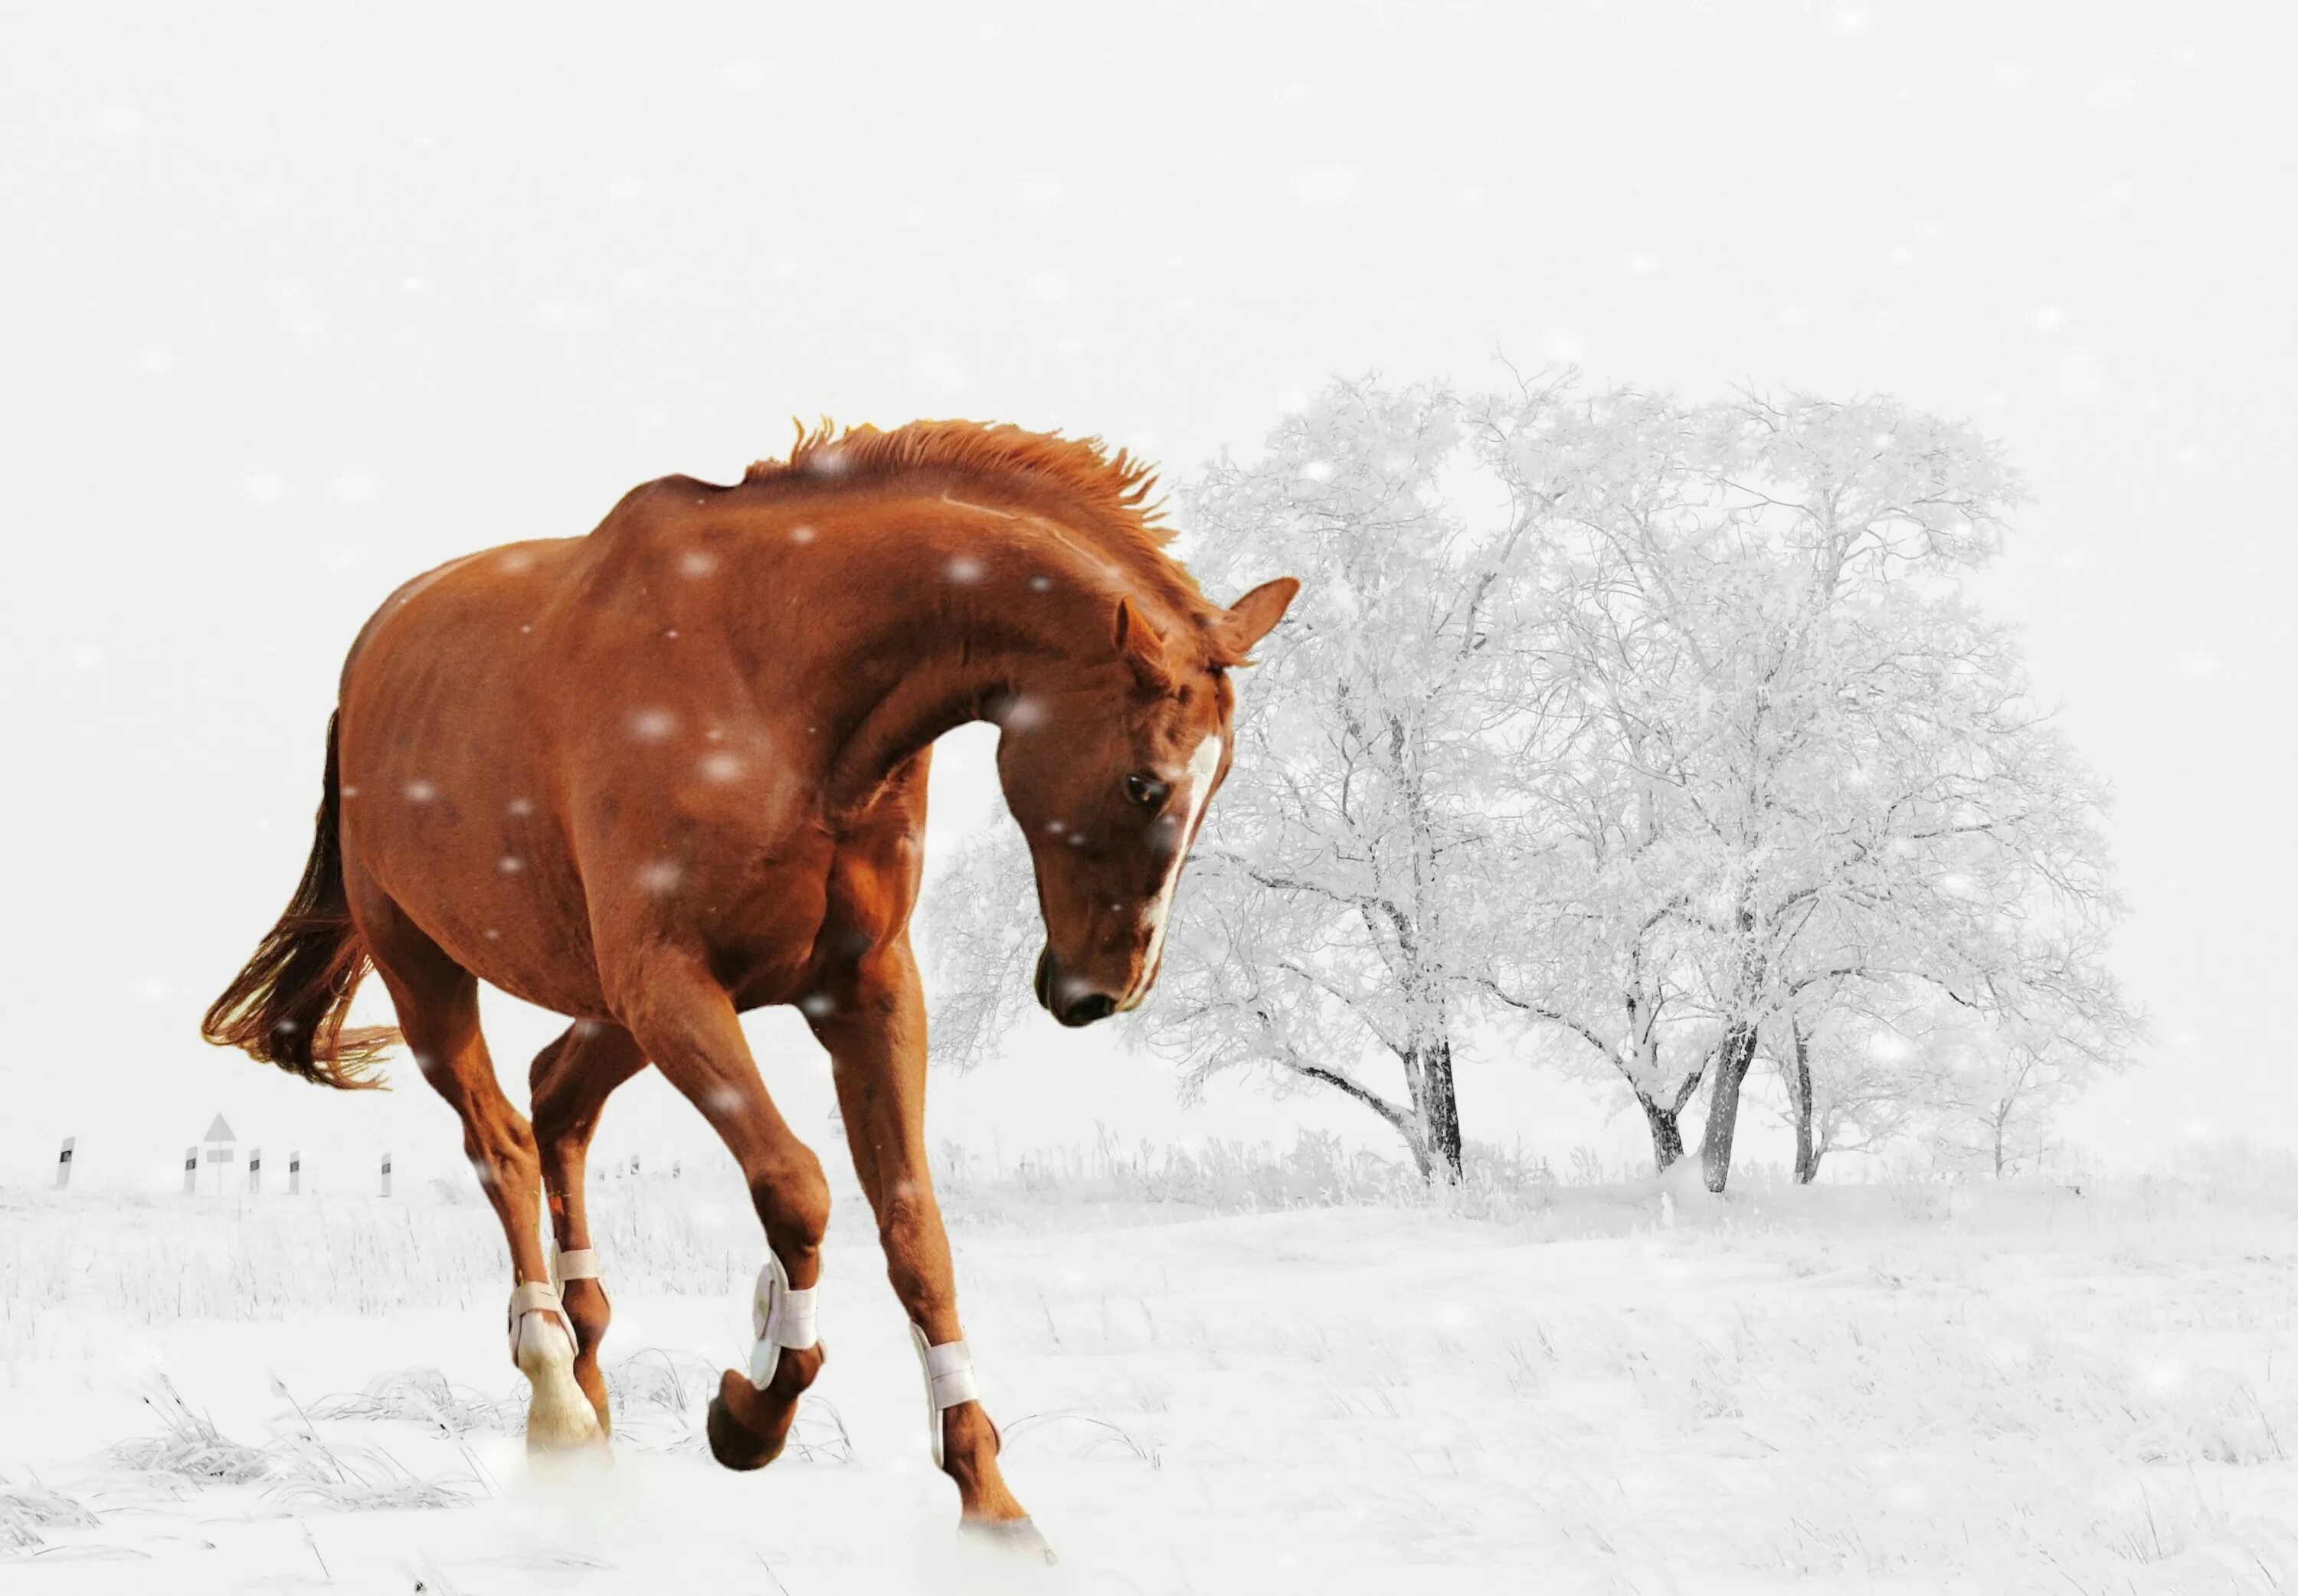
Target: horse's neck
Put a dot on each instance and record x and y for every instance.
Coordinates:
(974, 629)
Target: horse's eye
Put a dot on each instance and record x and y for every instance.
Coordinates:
(1147, 791)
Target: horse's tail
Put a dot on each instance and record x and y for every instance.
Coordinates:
(288, 1007)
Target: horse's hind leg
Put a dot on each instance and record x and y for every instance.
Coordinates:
(571, 1080)
(438, 1003)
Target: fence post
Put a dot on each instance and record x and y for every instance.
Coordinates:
(295, 1173)
(191, 1171)
(254, 1171)
(63, 1162)
(386, 1174)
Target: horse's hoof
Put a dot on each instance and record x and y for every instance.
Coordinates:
(569, 1460)
(1014, 1538)
(566, 1444)
(559, 1418)
(560, 1427)
(734, 1445)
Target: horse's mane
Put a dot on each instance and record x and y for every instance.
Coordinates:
(1108, 496)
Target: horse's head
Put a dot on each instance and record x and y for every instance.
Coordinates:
(1110, 780)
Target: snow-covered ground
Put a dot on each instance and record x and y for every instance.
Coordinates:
(1872, 1389)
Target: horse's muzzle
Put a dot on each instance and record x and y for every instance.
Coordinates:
(1072, 1002)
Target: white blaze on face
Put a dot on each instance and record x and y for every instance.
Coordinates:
(1197, 786)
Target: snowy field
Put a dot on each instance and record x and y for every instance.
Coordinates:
(1566, 1389)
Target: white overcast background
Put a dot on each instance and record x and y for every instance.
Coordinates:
(297, 299)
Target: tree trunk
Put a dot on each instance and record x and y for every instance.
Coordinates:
(1734, 1054)
(1806, 1164)
(1409, 1120)
(1438, 1108)
(1666, 1121)
(1429, 1067)
(1666, 1133)
(1418, 1147)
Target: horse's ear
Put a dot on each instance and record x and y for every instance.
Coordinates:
(1254, 617)
(1142, 650)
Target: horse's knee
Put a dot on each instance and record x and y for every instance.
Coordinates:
(904, 1211)
(793, 1202)
(908, 1217)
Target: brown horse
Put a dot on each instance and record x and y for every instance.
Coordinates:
(674, 770)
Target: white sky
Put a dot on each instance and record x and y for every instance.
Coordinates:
(298, 300)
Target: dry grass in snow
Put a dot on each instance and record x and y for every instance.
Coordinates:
(1296, 1380)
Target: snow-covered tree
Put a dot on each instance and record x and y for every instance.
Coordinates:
(1998, 1088)
(1598, 946)
(1793, 762)
(1665, 725)
(1855, 1082)
(1330, 930)
(1979, 1091)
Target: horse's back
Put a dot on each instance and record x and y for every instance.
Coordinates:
(483, 615)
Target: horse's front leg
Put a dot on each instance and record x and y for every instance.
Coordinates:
(874, 1027)
(681, 1019)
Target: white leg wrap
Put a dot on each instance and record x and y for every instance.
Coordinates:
(581, 1264)
(949, 1381)
(538, 1296)
(781, 1316)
